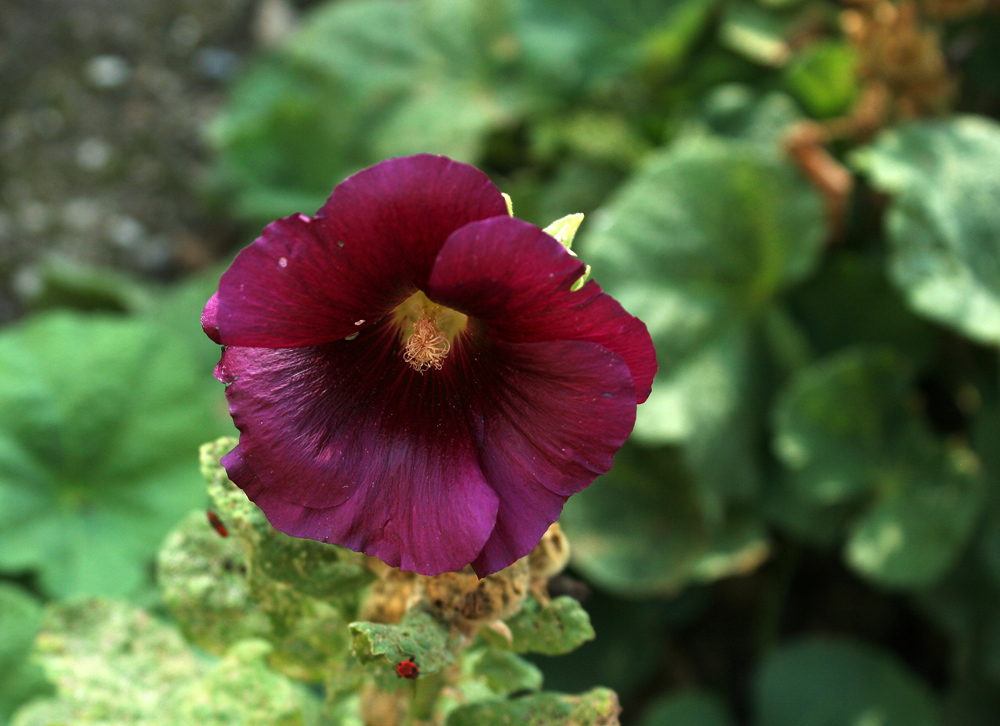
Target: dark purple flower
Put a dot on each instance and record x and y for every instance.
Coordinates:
(412, 376)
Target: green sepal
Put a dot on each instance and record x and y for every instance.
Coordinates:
(597, 707)
(564, 230)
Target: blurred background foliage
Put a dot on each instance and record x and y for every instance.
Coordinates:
(800, 198)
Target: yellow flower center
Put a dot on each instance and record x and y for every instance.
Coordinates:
(427, 330)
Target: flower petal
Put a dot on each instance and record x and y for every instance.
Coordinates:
(209, 318)
(350, 445)
(307, 281)
(517, 280)
(554, 416)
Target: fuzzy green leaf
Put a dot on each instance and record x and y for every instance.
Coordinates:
(559, 627)
(597, 707)
(505, 672)
(418, 636)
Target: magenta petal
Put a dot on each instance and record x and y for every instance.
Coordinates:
(311, 281)
(517, 280)
(349, 445)
(555, 415)
(209, 318)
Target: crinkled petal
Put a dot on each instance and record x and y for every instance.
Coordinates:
(307, 281)
(350, 445)
(554, 415)
(517, 280)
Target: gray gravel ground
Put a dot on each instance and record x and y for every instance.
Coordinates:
(103, 108)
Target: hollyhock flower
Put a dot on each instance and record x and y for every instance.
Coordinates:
(412, 375)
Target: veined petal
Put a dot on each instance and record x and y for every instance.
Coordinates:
(516, 279)
(308, 281)
(348, 444)
(554, 414)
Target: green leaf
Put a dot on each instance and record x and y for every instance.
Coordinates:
(558, 627)
(99, 419)
(640, 530)
(823, 78)
(839, 683)
(20, 619)
(850, 301)
(697, 245)
(839, 422)
(112, 663)
(687, 709)
(312, 569)
(944, 222)
(913, 538)
(206, 584)
(597, 707)
(505, 672)
(418, 636)
(241, 690)
(361, 81)
(849, 433)
(203, 581)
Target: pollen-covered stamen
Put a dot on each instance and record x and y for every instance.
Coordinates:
(426, 347)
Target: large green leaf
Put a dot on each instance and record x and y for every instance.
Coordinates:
(360, 81)
(687, 709)
(697, 245)
(100, 419)
(839, 683)
(944, 222)
(640, 530)
(848, 431)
